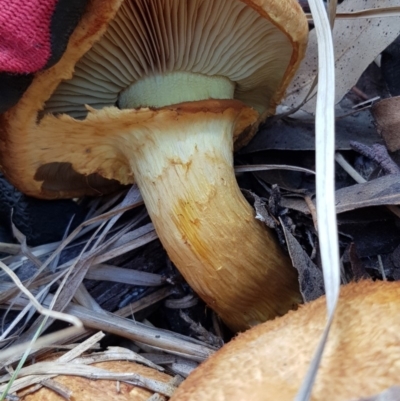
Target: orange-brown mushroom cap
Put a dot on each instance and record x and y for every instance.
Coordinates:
(86, 389)
(270, 361)
(42, 158)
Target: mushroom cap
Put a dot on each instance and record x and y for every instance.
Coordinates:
(270, 361)
(84, 389)
(54, 99)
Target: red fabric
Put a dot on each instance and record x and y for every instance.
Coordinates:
(25, 41)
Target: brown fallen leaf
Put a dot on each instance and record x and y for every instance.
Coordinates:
(379, 192)
(357, 42)
(387, 118)
(310, 276)
(288, 134)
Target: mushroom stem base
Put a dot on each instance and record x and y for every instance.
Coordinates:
(187, 181)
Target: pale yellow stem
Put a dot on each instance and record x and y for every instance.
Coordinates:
(185, 173)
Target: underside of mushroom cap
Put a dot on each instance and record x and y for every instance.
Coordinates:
(179, 25)
(213, 38)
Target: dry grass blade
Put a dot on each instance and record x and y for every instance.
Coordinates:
(325, 166)
(83, 297)
(45, 370)
(128, 237)
(325, 156)
(159, 339)
(58, 388)
(136, 243)
(122, 275)
(142, 303)
(12, 249)
(24, 247)
(13, 354)
(15, 260)
(65, 292)
(82, 347)
(265, 167)
(46, 312)
(8, 291)
(117, 354)
(368, 13)
(67, 337)
(90, 224)
(119, 244)
(23, 382)
(28, 309)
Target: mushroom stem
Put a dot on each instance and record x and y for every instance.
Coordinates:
(161, 90)
(186, 177)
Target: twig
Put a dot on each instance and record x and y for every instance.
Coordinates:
(359, 179)
(313, 211)
(379, 154)
(381, 268)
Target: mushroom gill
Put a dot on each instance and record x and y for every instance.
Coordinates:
(243, 55)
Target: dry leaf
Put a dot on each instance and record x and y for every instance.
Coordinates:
(390, 66)
(310, 277)
(288, 134)
(387, 117)
(357, 43)
(379, 192)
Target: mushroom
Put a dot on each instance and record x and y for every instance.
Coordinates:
(270, 361)
(143, 383)
(157, 92)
